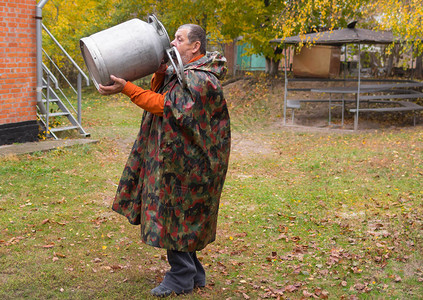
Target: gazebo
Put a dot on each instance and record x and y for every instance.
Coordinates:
(342, 37)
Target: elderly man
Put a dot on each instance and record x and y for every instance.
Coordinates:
(174, 175)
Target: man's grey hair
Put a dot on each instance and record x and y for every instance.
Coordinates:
(196, 33)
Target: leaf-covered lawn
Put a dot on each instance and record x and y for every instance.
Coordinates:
(304, 213)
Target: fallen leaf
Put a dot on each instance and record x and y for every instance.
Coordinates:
(308, 294)
(243, 234)
(291, 288)
(116, 267)
(356, 270)
(295, 239)
(324, 294)
(282, 236)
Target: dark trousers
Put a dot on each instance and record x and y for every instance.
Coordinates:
(185, 272)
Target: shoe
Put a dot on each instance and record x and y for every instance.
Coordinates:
(199, 285)
(161, 291)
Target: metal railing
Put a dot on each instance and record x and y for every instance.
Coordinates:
(41, 68)
(81, 74)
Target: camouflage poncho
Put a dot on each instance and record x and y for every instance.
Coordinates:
(174, 175)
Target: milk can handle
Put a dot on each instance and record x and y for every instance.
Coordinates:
(173, 53)
(155, 22)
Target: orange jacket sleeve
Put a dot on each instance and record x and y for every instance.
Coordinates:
(157, 81)
(148, 100)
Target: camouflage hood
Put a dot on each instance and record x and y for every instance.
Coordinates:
(212, 62)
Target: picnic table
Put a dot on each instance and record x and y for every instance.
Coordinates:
(397, 90)
(385, 88)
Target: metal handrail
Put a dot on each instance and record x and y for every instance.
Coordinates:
(60, 72)
(80, 73)
(67, 55)
(55, 81)
(43, 83)
(39, 54)
(65, 97)
(56, 84)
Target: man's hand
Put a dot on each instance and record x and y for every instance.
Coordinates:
(163, 66)
(117, 86)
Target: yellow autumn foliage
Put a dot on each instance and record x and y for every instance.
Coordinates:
(257, 21)
(403, 17)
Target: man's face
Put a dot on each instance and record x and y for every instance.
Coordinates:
(185, 48)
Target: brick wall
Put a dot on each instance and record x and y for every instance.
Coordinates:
(17, 62)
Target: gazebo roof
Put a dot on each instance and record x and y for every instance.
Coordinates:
(340, 37)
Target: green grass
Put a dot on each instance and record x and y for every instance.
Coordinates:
(303, 213)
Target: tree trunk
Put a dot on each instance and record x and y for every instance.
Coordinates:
(419, 66)
(390, 62)
(272, 66)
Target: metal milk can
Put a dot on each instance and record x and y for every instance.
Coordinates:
(130, 50)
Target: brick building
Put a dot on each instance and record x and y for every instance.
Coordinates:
(18, 81)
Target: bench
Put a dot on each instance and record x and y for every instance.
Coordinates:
(299, 89)
(296, 104)
(393, 96)
(393, 85)
(405, 106)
